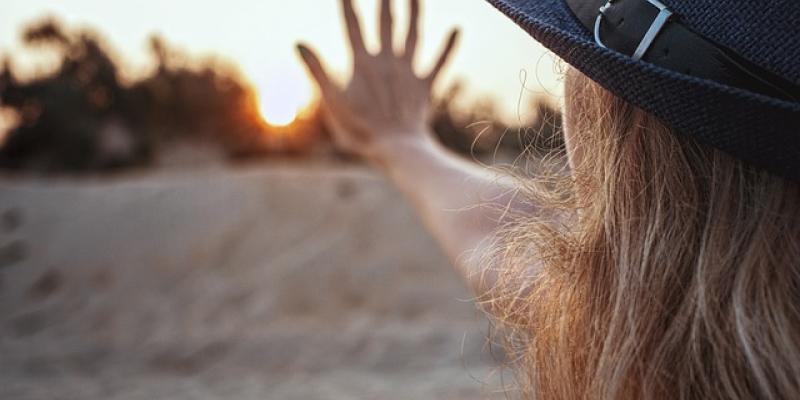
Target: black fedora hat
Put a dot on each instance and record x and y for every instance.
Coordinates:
(726, 72)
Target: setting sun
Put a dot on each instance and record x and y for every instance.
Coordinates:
(283, 96)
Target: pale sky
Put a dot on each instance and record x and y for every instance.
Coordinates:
(259, 37)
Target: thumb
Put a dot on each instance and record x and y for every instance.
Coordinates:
(317, 70)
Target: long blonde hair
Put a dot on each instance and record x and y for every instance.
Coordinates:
(678, 276)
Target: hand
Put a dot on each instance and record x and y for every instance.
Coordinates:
(386, 104)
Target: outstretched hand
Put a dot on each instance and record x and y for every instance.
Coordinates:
(385, 104)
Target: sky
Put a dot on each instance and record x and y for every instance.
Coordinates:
(493, 59)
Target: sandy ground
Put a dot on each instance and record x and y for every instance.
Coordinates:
(257, 283)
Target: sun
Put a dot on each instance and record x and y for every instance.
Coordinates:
(283, 95)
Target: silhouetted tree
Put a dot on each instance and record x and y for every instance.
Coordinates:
(63, 113)
(479, 133)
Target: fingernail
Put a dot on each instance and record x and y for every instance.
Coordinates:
(302, 50)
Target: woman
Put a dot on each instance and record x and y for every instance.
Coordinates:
(664, 263)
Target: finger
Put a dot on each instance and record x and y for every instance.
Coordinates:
(444, 57)
(327, 88)
(413, 31)
(353, 28)
(387, 25)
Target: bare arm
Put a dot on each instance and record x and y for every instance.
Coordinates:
(461, 203)
(382, 116)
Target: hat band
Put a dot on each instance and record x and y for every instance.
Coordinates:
(647, 30)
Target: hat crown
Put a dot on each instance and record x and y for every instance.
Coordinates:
(764, 32)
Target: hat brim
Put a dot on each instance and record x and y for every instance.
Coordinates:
(758, 129)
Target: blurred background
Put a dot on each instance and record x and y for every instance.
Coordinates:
(175, 223)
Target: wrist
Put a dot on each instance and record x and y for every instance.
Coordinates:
(393, 152)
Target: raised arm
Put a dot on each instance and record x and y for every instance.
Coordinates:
(382, 115)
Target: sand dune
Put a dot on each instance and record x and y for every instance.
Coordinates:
(259, 283)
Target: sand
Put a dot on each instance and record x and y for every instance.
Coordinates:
(265, 282)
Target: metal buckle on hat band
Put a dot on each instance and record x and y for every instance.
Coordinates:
(664, 14)
(681, 49)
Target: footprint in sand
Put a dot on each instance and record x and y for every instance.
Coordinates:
(12, 253)
(46, 285)
(11, 220)
(15, 251)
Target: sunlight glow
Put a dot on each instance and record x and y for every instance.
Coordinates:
(283, 96)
